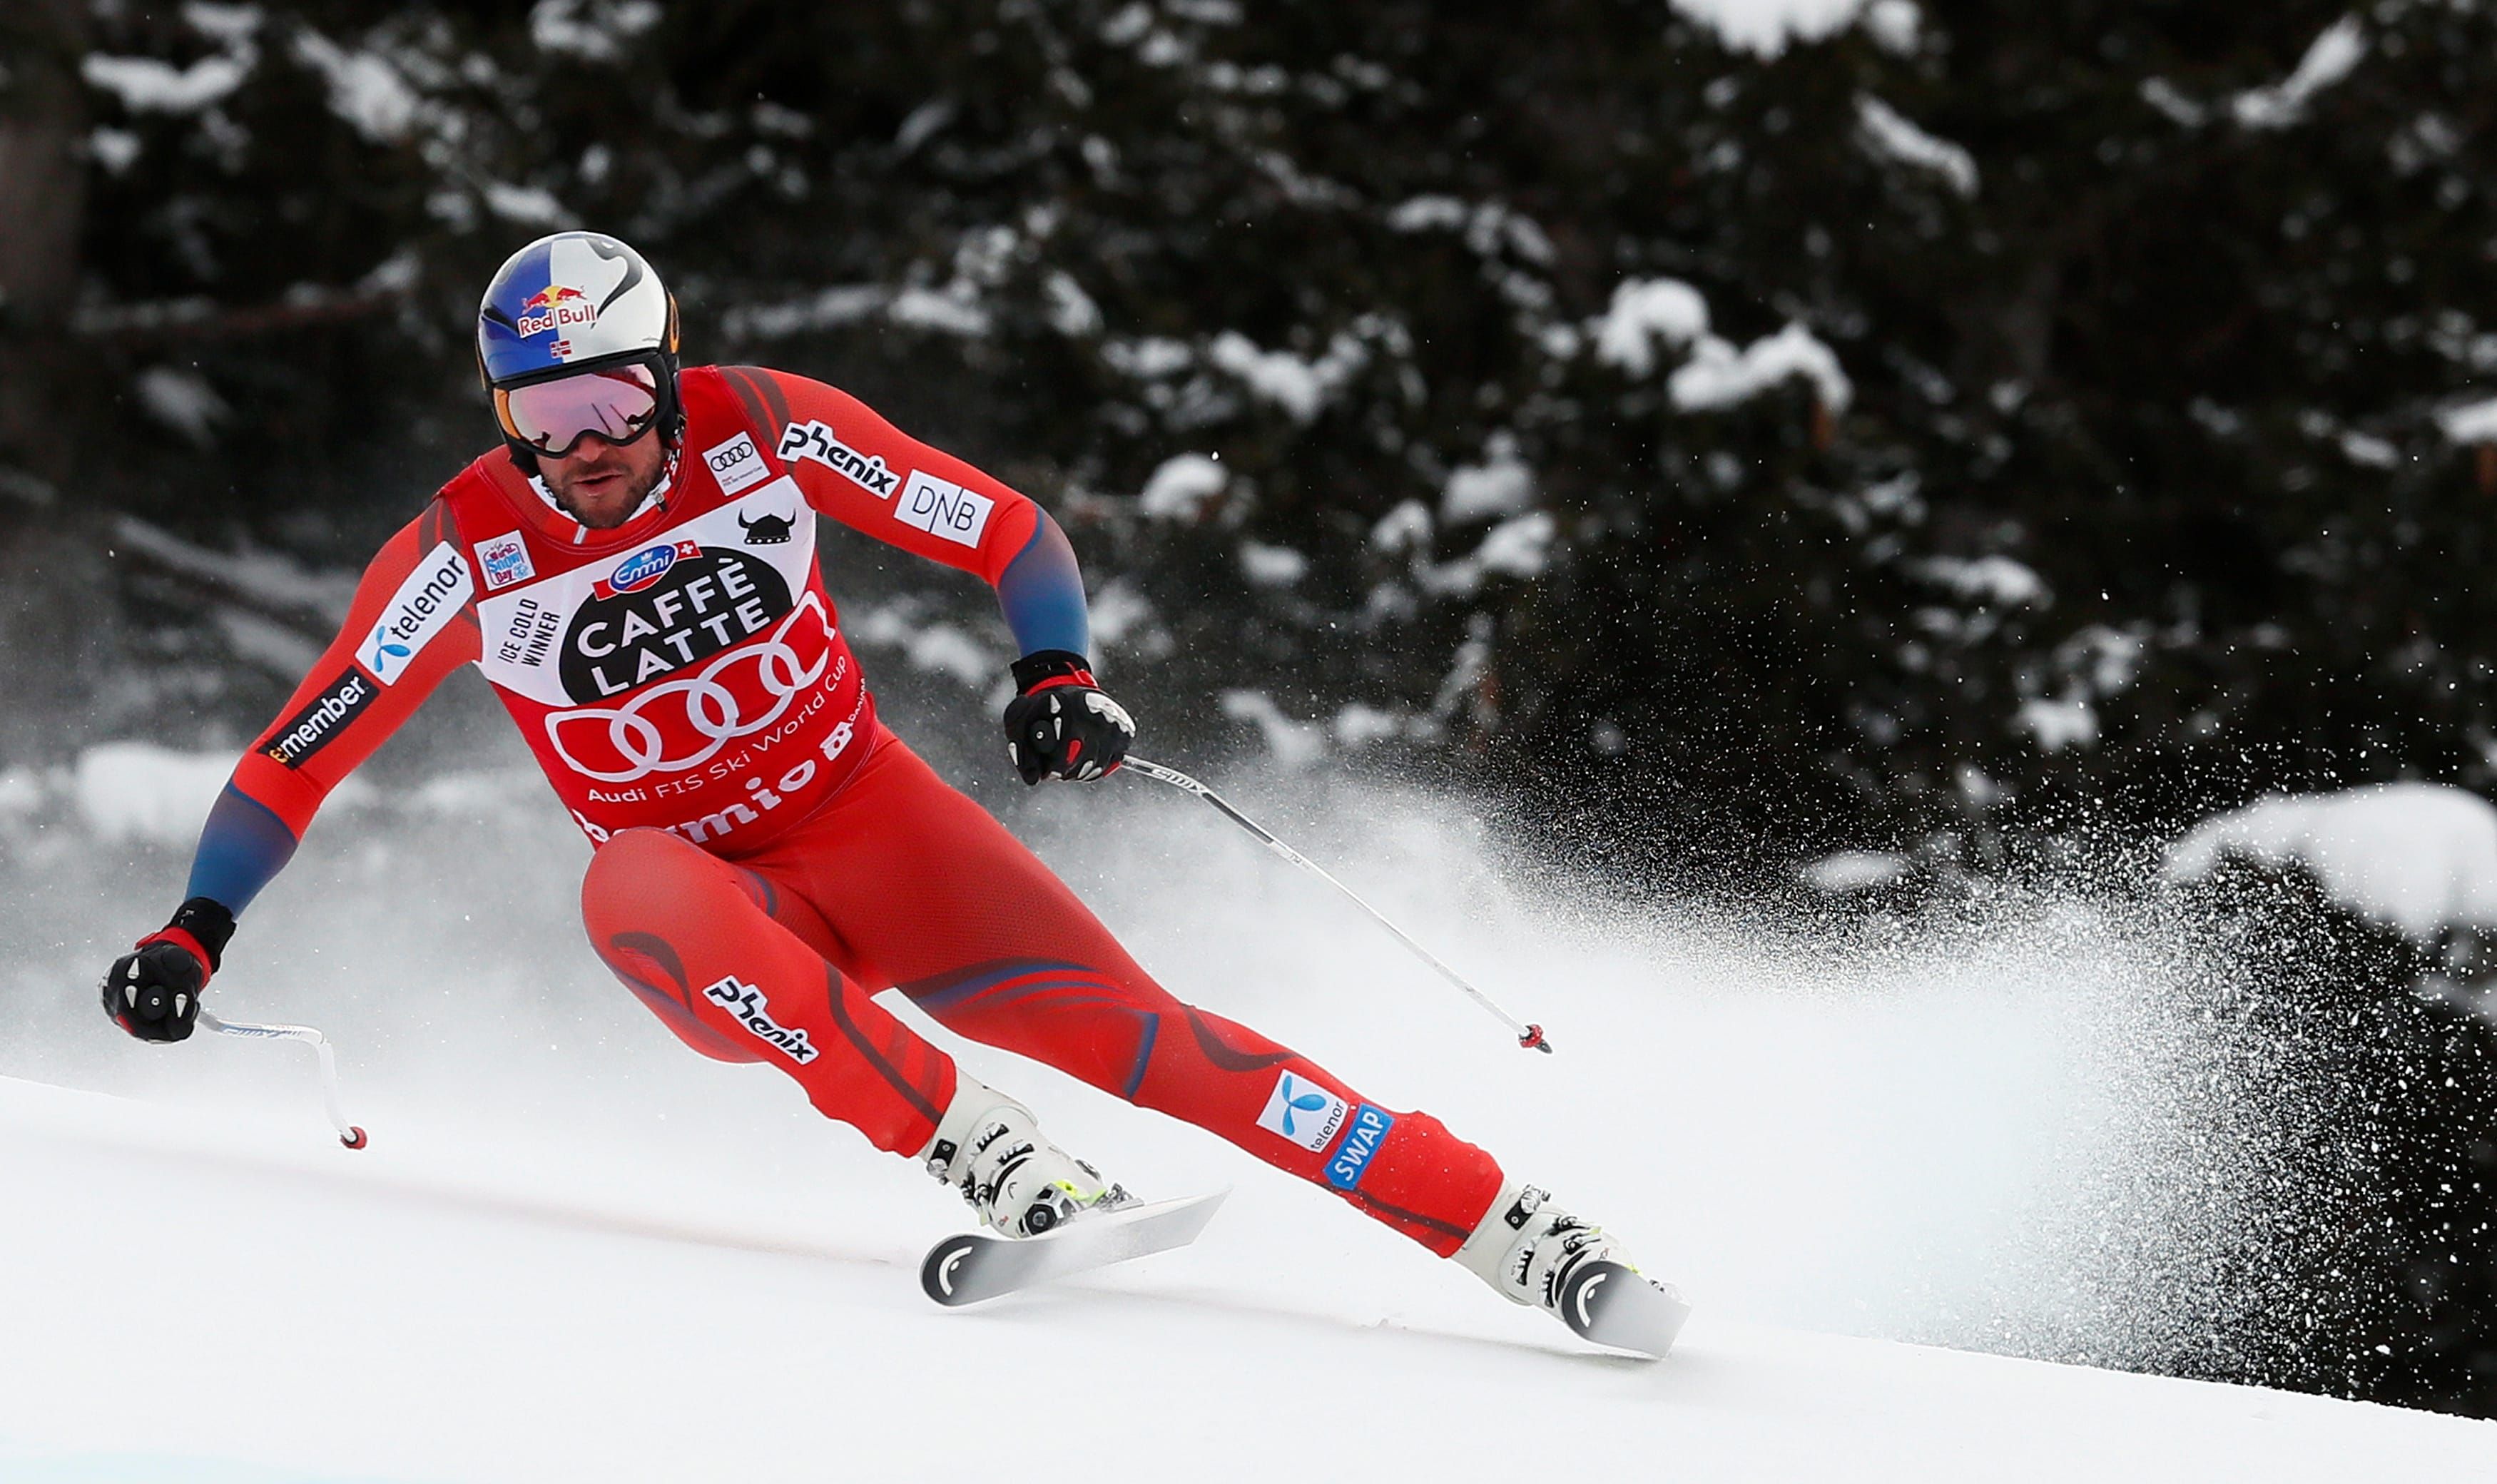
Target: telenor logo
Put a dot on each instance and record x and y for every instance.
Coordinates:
(1303, 1112)
(425, 603)
(645, 567)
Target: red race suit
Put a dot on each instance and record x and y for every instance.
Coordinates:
(767, 855)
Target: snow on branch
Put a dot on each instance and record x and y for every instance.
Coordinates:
(1648, 311)
(1300, 388)
(2333, 56)
(266, 580)
(1643, 312)
(590, 30)
(1764, 27)
(365, 88)
(2470, 422)
(146, 85)
(1718, 375)
(2421, 856)
(1891, 136)
(1995, 580)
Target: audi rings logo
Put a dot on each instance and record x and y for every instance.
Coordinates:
(683, 723)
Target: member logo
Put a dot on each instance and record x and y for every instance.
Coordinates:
(682, 723)
(1303, 1112)
(643, 567)
(311, 729)
(1369, 1129)
(816, 441)
(555, 306)
(754, 1013)
(423, 606)
(943, 509)
(506, 560)
(738, 464)
(765, 530)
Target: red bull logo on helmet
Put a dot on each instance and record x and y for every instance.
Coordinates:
(555, 306)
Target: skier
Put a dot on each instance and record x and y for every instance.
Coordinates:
(634, 572)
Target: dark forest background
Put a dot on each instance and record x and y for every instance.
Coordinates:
(1983, 428)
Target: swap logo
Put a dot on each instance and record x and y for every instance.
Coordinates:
(1369, 1129)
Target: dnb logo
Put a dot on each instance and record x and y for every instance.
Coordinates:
(1303, 1112)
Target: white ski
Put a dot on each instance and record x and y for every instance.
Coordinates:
(978, 1266)
(1610, 1304)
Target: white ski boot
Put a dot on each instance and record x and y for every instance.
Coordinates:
(989, 1147)
(1531, 1252)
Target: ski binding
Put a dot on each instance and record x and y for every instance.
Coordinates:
(975, 1267)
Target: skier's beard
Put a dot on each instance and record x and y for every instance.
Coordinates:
(603, 484)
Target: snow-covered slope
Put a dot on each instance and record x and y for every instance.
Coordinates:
(223, 1296)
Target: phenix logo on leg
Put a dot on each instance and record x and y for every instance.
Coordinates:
(754, 1013)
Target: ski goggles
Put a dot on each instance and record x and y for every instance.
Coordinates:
(618, 403)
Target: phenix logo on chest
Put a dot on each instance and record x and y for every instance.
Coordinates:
(668, 613)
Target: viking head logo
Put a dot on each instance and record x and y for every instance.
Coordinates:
(765, 531)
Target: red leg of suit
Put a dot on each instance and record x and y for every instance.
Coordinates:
(911, 883)
(712, 948)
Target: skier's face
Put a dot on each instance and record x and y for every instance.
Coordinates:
(601, 484)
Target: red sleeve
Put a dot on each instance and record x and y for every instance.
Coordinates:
(413, 622)
(871, 476)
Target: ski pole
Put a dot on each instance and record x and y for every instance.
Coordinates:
(348, 1133)
(1528, 1035)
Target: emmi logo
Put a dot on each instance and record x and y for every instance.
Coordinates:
(754, 1013)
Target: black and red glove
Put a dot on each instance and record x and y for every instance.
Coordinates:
(1061, 726)
(153, 991)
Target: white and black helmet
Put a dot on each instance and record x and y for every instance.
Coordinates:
(570, 303)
